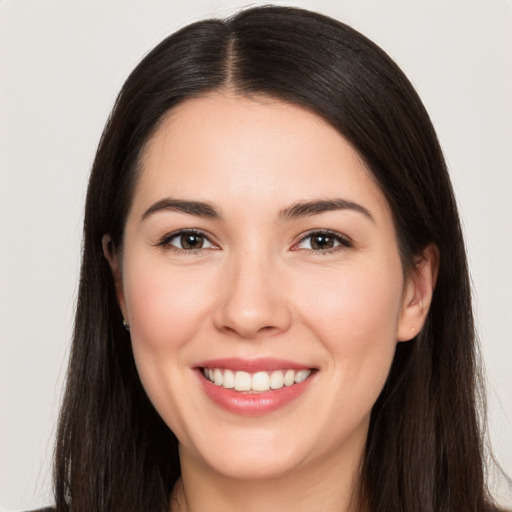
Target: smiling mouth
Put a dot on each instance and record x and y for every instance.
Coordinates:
(258, 382)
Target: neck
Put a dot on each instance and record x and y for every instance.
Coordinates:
(329, 485)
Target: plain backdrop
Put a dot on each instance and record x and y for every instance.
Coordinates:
(61, 66)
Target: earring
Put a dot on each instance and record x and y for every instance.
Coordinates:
(126, 324)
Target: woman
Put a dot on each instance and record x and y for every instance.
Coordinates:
(274, 305)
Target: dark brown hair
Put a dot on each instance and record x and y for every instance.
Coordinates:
(424, 447)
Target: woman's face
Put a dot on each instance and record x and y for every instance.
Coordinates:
(260, 254)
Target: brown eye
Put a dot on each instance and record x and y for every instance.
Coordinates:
(191, 241)
(323, 241)
(187, 241)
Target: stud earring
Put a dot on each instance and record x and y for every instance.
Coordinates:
(126, 324)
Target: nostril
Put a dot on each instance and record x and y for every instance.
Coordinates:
(247, 332)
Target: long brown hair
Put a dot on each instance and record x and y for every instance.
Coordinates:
(424, 447)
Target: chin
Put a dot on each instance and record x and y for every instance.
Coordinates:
(248, 453)
(255, 464)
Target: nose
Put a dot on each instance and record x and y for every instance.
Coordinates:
(252, 301)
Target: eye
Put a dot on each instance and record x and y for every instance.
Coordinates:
(187, 240)
(323, 241)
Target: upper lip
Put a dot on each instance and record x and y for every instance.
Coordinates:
(253, 365)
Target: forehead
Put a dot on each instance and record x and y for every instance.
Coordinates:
(222, 147)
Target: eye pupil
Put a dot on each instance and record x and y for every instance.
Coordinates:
(191, 241)
(322, 242)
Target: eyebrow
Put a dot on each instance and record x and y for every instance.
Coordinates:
(309, 208)
(296, 210)
(198, 208)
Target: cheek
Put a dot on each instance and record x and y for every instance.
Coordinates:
(166, 309)
(163, 305)
(355, 315)
(363, 303)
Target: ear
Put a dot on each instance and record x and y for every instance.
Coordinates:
(112, 257)
(418, 290)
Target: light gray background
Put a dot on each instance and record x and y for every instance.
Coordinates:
(62, 64)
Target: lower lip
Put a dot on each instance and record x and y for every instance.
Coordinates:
(253, 404)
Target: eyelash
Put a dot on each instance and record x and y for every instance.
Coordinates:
(165, 242)
(343, 241)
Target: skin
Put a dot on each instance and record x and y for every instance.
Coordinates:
(258, 288)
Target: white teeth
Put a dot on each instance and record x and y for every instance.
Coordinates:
(229, 379)
(217, 377)
(242, 381)
(302, 375)
(289, 378)
(259, 381)
(277, 380)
